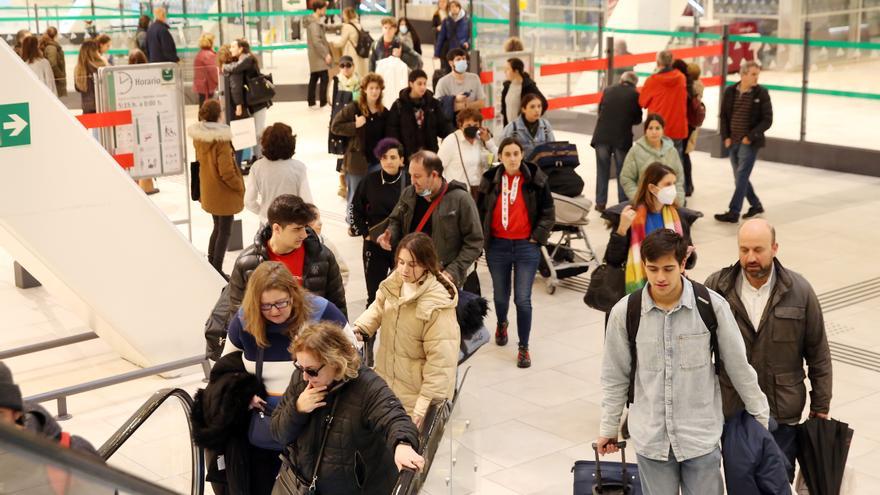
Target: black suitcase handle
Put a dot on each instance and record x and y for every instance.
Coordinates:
(624, 480)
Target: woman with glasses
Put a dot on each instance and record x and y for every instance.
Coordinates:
(274, 310)
(347, 432)
(415, 311)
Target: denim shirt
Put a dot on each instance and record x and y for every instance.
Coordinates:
(677, 401)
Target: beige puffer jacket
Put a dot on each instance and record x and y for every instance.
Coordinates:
(420, 338)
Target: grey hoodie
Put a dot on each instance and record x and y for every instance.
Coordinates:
(640, 156)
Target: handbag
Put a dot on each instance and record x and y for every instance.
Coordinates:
(259, 433)
(260, 90)
(195, 185)
(291, 481)
(607, 286)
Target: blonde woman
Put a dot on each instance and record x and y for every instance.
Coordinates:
(273, 311)
(87, 65)
(205, 71)
(333, 396)
(348, 40)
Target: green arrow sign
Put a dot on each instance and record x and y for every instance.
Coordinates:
(15, 125)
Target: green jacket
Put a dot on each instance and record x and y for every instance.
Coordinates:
(455, 225)
(640, 156)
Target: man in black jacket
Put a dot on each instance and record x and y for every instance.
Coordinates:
(746, 114)
(160, 43)
(416, 119)
(619, 110)
(286, 239)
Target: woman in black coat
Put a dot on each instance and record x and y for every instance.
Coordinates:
(517, 209)
(517, 77)
(239, 73)
(344, 428)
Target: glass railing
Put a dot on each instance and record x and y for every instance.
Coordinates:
(30, 464)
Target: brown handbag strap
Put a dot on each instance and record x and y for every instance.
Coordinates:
(461, 157)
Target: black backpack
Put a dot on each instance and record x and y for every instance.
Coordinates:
(365, 43)
(634, 315)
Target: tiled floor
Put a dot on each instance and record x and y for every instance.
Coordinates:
(513, 431)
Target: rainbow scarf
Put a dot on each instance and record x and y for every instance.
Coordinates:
(635, 272)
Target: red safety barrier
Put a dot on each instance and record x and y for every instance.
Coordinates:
(110, 119)
(627, 60)
(125, 160)
(573, 101)
(105, 119)
(711, 81)
(487, 77)
(488, 113)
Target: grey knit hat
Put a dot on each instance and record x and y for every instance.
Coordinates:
(10, 394)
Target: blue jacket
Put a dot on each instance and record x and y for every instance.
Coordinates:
(753, 463)
(160, 44)
(455, 33)
(520, 131)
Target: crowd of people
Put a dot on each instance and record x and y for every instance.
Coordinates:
(429, 189)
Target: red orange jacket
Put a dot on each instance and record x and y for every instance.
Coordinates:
(665, 93)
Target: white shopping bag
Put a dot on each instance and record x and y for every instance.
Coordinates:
(244, 133)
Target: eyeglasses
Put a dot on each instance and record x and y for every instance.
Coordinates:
(344, 66)
(308, 371)
(277, 305)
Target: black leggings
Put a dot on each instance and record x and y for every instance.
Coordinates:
(377, 264)
(324, 77)
(219, 241)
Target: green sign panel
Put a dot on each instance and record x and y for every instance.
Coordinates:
(15, 125)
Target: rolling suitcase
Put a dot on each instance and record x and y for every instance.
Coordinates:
(608, 478)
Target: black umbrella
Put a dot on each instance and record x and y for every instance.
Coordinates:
(823, 445)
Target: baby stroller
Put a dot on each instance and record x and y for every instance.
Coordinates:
(560, 258)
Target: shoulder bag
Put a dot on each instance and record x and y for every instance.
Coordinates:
(607, 286)
(475, 190)
(291, 481)
(259, 433)
(260, 90)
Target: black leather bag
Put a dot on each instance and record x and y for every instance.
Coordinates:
(607, 286)
(260, 90)
(195, 185)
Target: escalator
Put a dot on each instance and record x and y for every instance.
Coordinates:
(34, 465)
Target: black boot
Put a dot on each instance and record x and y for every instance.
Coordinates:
(501, 333)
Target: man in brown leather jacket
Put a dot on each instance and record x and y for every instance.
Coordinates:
(782, 326)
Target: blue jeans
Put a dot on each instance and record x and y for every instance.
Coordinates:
(604, 156)
(352, 181)
(521, 258)
(697, 476)
(742, 159)
(786, 439)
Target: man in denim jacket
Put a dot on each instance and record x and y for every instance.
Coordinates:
(675, 419)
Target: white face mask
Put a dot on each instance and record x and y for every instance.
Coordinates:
(667, 195)
(425, 194)
(404, 29)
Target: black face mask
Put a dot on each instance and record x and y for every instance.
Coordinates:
(470, 132)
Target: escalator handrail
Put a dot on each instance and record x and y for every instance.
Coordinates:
(140, 416)
(43, 451)
(409, 481)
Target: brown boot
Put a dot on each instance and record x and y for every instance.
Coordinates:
(523, 360)
(501, 333)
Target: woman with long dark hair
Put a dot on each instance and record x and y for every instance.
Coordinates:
(87, 65)
(33, 57)
(415, 310)
(245, 68)
(518, 83)
(363, 122)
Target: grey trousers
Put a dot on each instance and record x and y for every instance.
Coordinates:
(697, 476)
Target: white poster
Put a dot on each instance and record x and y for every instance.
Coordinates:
(153, 94)
(244, 133)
